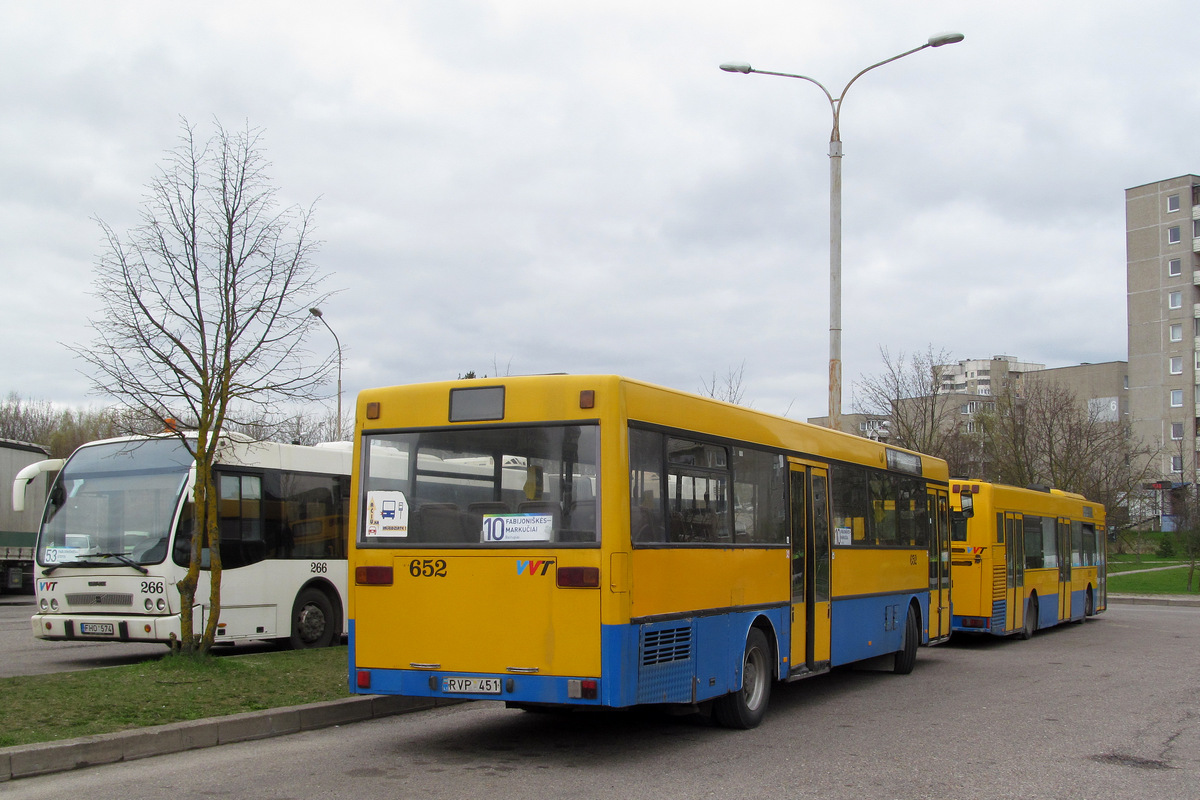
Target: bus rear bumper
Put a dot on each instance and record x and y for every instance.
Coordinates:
(533, 689)
(967, 624)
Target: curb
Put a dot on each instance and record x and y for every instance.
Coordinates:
(44, 758)
(1155, 600)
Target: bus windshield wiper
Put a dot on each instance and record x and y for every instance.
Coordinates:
(124, 559)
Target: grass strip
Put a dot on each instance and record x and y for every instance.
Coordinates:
(1165, 581)
(43, 708)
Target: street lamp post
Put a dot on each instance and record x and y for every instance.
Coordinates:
(316, 312)
(835, 211)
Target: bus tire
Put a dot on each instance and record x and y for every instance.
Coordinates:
(1031, 615)
(906, 656)
(745, 707)
(1089, 604)
(313, 621)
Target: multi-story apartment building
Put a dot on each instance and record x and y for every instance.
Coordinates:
(985, 376)
(1162, 234)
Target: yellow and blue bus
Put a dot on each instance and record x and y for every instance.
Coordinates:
(1024, 559)
(597, 541)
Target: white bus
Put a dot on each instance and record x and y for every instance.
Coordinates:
(115, 539)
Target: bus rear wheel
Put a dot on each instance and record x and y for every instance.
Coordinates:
(745, 708)
(313, 622)
(906, 656)
(1031, 616)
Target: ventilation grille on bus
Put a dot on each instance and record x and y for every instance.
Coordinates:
(665, 645)
(999, 597)
(107, 599)
(666, 663)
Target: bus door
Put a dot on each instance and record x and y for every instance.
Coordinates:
(1064, 569)
(939, 567)
(1015, 592)
(810, 569)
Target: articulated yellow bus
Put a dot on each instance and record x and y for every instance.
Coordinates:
(598, 541)
(1024, 559)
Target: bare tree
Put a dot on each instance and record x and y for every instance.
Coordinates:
(729, 388)
(60, 429)
(1046, 435)
(909, 393)
(204, 315)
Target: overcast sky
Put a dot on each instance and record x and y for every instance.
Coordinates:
(530, 186)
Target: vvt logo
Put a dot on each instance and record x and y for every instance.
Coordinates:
(533, 567)
(46, 586)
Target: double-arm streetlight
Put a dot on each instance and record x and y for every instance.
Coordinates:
(316, 312)
(835, 212)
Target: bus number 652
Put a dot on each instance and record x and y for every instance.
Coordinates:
(427, 568)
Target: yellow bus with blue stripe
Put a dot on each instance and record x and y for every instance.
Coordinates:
(598, 541)
(1025, 559)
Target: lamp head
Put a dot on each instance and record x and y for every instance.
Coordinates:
(316, 312)
(937, 40)
(736, 66)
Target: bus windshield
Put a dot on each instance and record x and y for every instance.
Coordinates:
(491, 486)
(114, 503)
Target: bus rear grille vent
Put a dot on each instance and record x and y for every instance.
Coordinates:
(101, 599)
(666, 644)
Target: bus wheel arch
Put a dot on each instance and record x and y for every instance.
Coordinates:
(316, 618)
(1089, 603)
(906, 656)
(744, 708)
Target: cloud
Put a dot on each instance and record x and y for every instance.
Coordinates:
(531, 186)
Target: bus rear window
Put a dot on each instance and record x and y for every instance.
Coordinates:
(483, 487)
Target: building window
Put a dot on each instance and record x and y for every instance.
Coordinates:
(1177, 398)
(1173, 235)
(1196, 228)
(1175, 300)
(1173, 202)
(1176, 430)
(1175, 332)
(1176, 463)
(1175, 267)
(1176, 365)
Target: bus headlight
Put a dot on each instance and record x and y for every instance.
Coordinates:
(43, 604)
(54, 604)
(149, 604)
(160, 604)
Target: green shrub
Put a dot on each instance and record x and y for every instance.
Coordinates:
(1166, 546)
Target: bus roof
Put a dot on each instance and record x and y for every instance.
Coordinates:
(640, 401)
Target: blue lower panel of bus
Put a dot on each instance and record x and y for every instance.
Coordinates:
(685, 660)
(866, 627)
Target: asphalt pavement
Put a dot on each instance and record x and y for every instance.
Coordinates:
(24, 761)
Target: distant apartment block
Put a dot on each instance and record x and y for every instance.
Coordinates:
(969, 388)
(1162, 241)
(980, 376)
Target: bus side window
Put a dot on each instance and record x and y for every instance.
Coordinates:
(646, 525)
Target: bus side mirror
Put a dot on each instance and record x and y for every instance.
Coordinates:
(968, 505)
(27, 475)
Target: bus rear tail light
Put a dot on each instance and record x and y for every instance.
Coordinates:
(579, 577)
(373, 576)
(974, 622)
(363, 677)
(585, 689)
